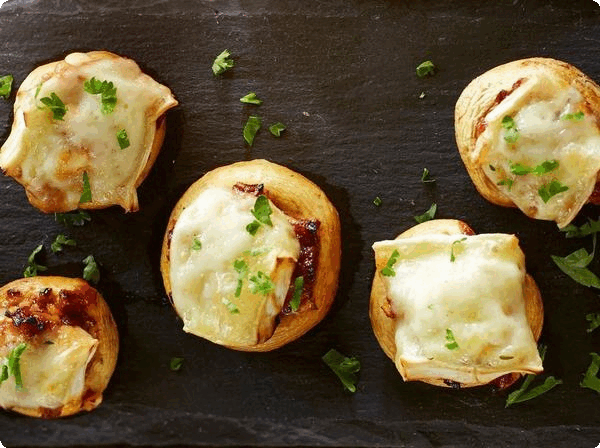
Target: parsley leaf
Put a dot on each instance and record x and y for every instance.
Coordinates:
(77, 218)
(594, 320)
(297, 296)
(545, 167)
(377, 201)
(577, 116)
(197, 244)
(91, 273)
(86, 194)
(452, 257)
(425, 69)
(428, 215)
(6, 86)
(345, 368)
(32, 267)
(241, 267)
(547, 191)
(388, 270)
(262, 212)
(261, 283)
(176, 364)
(123, 139)
(57, 245)
(231, 307)
(575, 266)
(13, 366)
(251, 98)
(508, 182)
(251, 128)
(107, 92)
(277, 128)
(586, 229)
(452, 344)
(222, 63)
(512, 133)
(426, 178)
(253, 227)
(590, 379)
(55, 104)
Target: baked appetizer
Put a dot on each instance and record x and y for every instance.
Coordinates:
(58, 346)
(529, 136)
(251, 256)
(86, 132)
(455, 309)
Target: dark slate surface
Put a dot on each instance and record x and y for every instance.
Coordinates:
(340, 75)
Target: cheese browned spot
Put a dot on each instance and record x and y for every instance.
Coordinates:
(48, 156)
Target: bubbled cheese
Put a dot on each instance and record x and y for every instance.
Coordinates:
(477, 298)
(204, 281)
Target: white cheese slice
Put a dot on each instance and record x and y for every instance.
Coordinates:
(204, 281)
(478, 298)
(49, 156)
(538, 108)
(52, 374)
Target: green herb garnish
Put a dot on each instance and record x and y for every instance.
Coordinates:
(12, 366)
(6, 86)
(277, 128)
(231, 307)
(512, 133)
(426, 177)
(452, 257)
(345, 368)
(388, 270)
(32, 268)
(297, 296)
(594, 321)
(77, 218)
(262, 212)
(428, 215)
(222, 63)
(241, 267)
(586, 229)
(575, 266)
(577, 116)
(60, 241)
(57, 107)
(91, 272)
(545, 167)
(107, 92)
(251, 98)
(197, 244)
(123, 139)
(452, 344)
(547, 191)
(86, 194)
(253, 227)
(251, 128)
(377, 201)
(508, 182)
(176, 364)
(425, 69)
(261, 284)
(590, 379)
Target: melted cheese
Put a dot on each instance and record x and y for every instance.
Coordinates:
(537, 108)
(478, 297)
(52, 374)
(204, 281)
(49, 156)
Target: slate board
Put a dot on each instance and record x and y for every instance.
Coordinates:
(341, 76)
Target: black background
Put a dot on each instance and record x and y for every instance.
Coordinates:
(341, 76)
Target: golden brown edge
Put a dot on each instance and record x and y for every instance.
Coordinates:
(298, 198)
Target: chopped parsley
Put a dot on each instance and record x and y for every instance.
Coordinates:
(86, 194)
(197, 244)
(241, 267)
(297, 296)
(231, 307)
(32, 268)
(123, 139)
(452, 344)
(547, 191)
(261, 284)
(107, 92)
(577, 116)
(575, 266)
(251, 128)
(262, 212)
(91, 272)
(428, 215)
(345, 368)
(590, 379)
(452, 257)
(222, 63)
(77, 218)
(60, 241)
(511, 134)
(377, 201)
(176, 364)
(12, 366)
(426, 177)
(594, 321)
(54, 103)
(522, 394)
(251, 98)
(253, 227)
(545, 167)
(425, 69)
(6, 86)
(508, 182)
(277, 128)
(388, 270)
